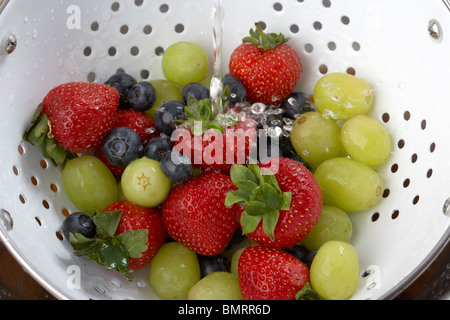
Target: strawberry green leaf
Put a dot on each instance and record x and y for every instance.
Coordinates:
(261, 197)
(236, 196)
(271, 196)
(307, 293)
(249, 223)
(264, 41)
(270, 220)
(256, 173)
(257, 208)
(107, 222)
(108, 249)
(242, 173)
(80, 242)
(134, 241)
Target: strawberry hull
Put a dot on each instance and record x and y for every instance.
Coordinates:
(295, 224)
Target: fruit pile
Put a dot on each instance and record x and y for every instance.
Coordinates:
(163, 177)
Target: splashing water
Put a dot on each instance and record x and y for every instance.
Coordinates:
(216, 88)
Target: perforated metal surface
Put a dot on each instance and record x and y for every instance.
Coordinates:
(406, 64)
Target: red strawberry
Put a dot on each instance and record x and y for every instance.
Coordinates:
(217, 148)
(142, 123)
(135, 217)
(195, 216)
(268, 67)
(73, 118)
(276, 210)
(81, 113)
(270, 274)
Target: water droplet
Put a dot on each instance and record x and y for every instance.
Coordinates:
(258, 108)
(401, 86)
(12, 99)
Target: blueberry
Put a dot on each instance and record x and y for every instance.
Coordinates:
(78, 222)
(309, 258)
(237, 91)
(298, 251)
(167, 115)
(122, 145)
(237, 238)
(296, 103)
(177, 167)
(215, 263)
(141, 96)
(157, 148)
(122, 82)
(288, 151)
(195, 90)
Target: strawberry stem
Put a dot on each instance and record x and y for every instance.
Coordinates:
(264, 41)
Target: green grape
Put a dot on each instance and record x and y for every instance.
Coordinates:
(144, 183)
(165, 91)
(89, 184)
(235, 260)
(173, 271)
(349, 184)
(333, 224)
(366, 140)
(316, 138)
(184, 62)
(341, 96)
(334, 272)
(217, 285)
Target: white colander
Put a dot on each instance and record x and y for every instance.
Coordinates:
(400, 47)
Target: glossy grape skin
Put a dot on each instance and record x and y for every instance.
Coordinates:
(184, 62)
(89, 184)
(349, 184)
(165, 91)
(144, 183)
(173, 271)
(366, 140)
(316, 138)
(333, 224)
(235, 260)
(219, 285)
(341, 96)
(334, 272)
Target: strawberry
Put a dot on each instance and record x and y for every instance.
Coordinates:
(195, 216)
(73, 118)
(135, 217)
(271, 274)
(215, 143)
(268, 68)
(279, 200)
(127, 238)
(142, 123)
